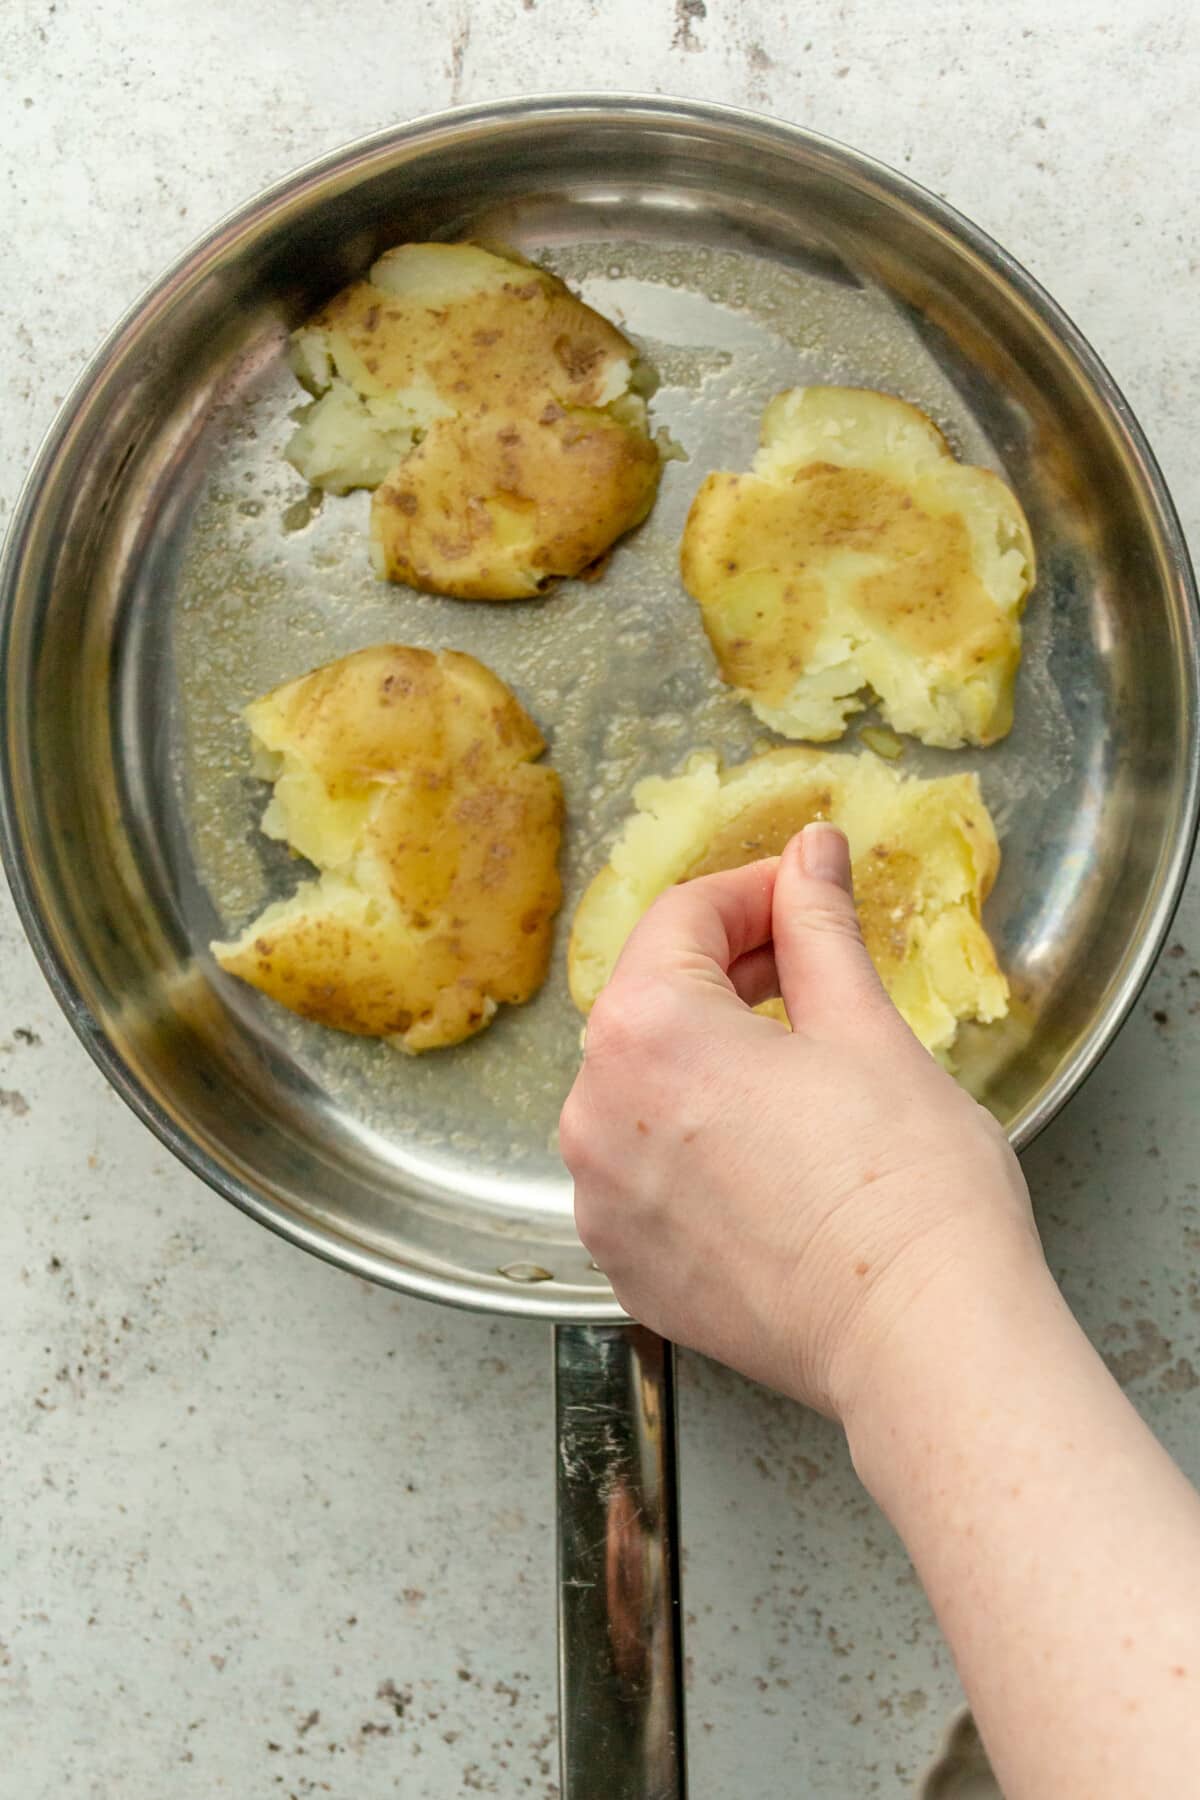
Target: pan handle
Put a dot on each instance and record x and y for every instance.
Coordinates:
(620, 1644)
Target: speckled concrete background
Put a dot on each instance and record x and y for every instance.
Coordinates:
(263, 1530)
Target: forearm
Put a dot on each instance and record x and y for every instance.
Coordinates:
(824, 1209)
(1059, 1545)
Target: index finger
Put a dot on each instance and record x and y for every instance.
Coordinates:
(701, 927)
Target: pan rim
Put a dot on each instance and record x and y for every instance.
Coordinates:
(351, 162)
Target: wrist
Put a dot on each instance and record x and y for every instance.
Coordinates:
(946, 1344)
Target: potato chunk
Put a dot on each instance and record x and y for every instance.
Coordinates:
(924, 853)
(410, 779)
(859, 560)
(489, 408)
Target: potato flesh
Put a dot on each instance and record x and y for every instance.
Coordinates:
(410, 780)
(859, 559)
(491, 411)
(924, 855)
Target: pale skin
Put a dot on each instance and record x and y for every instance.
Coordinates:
(828, 1212)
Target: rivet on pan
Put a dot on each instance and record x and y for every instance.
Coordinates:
(525, 1272)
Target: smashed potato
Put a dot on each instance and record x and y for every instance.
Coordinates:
(859, 560)
(924, 853)
(410, 779)
(493, 413)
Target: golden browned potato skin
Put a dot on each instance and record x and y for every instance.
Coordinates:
(859, 559)
(488, 333)
(491, 512)
(494, 408)
(410, 779)
(924, 856)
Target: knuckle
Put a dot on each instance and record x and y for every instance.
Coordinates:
(607, 1026)
(621, 1023)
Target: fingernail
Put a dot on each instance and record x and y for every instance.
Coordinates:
(825, 854)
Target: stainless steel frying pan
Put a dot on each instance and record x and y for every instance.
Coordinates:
(164, 566)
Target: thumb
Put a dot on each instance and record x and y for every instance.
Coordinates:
(826, 978)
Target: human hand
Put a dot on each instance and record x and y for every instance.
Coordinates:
(782, 1201)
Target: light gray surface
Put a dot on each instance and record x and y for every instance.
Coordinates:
(215, 1454)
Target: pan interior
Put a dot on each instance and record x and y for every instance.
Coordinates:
(215, 575)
